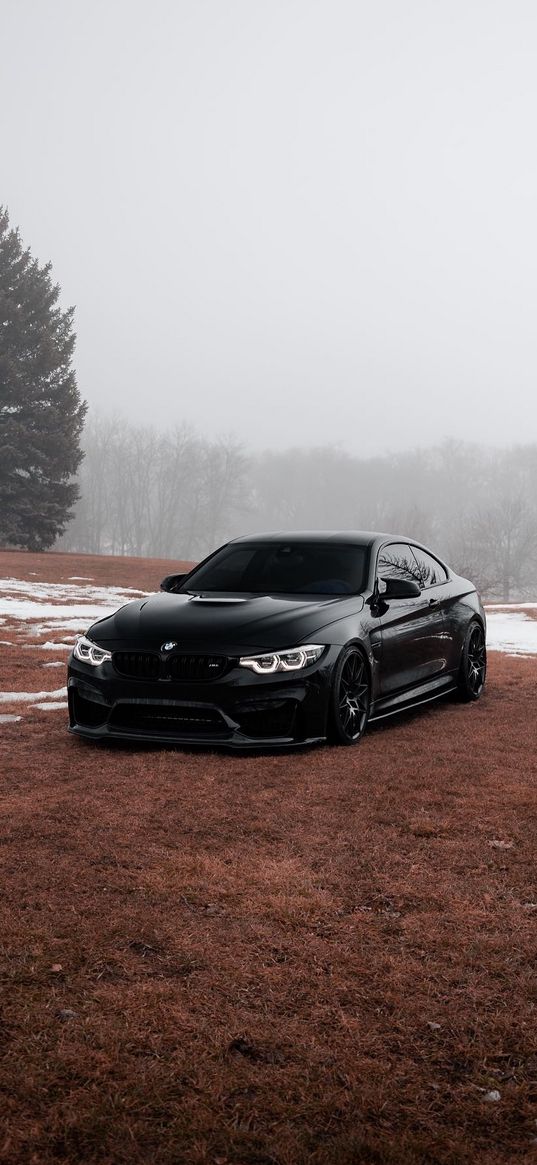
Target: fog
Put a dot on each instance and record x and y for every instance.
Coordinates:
(179, 495)
(294, 221)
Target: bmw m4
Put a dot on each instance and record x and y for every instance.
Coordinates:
(281, 639)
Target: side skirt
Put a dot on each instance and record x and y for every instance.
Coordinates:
(406, 703)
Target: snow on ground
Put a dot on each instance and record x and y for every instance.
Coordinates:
(51, 704)
(512, 631)
(51, 646)
(67, 615)
(64, 592)
(58, 606)
(30, 697)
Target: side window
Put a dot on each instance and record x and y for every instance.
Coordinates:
(430, 570)
(397, 561)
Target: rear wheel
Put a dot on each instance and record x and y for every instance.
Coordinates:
(350, 698)
(473, 666)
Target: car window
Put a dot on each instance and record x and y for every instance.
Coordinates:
(430, 570)
(397, 561)
(225, 569)
(283, 568)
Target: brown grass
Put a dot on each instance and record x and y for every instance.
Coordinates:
(326, 956)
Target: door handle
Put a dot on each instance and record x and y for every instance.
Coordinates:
(434, 602)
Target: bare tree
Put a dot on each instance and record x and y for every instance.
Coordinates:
(505, 538)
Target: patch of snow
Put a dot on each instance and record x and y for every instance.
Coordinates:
(6, 643)
(56, 663)
(29, 697)
(37, 629)
(77, 625)
(26, 609)
(9, 719)
(64, 592)
(82, 577)
(512, 632)
(49, 646)
(53, 704)
(64, 606)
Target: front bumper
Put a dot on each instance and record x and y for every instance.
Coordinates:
(240, 711)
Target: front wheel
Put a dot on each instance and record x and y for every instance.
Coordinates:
(350, 698)
(473, 666)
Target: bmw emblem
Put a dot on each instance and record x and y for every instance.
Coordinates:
(169, 645)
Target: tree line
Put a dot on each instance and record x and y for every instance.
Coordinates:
(178, 495)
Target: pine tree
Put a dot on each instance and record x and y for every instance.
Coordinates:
(41, 413)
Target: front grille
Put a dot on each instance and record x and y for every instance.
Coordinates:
(147, 665)
(169, 719)
(196, 667)
(137, 665)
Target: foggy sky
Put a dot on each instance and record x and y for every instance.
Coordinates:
(300, 221)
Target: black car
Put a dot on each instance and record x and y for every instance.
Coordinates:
(281, 639)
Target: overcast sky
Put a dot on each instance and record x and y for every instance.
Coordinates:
(301, 221)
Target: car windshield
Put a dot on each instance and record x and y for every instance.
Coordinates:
(273, 568)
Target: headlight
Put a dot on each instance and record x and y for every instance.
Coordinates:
(291, 659)
(88, 652)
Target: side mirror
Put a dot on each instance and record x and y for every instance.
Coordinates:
(398, 588)
(171, 582)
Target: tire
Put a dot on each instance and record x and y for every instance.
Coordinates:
(350, 698)
(473, 665)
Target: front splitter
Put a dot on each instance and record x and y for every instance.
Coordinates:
(236, 743)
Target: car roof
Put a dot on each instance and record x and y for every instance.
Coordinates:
(352, 537)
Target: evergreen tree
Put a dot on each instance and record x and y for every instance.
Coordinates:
(41, 413)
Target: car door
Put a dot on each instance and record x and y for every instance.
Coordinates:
(412, 629)
(436, 583)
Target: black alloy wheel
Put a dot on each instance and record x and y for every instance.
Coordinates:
(473, 668)
(350, 698)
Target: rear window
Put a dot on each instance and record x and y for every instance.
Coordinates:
(431, 572)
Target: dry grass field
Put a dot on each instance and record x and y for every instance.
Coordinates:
(326, 956)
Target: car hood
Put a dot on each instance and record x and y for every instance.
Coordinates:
(227, 623)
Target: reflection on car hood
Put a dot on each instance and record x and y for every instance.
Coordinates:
(225, 622)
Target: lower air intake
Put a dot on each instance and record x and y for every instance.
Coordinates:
(87, 713)
(169, 720)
